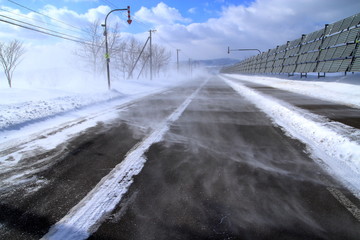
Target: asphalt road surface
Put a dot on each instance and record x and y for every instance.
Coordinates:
(222, 171)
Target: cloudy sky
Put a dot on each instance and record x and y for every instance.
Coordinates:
(202, 29)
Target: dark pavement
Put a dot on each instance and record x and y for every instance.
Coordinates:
(85, 160)
(224, 171)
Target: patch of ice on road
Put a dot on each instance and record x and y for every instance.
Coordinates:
(340, 154)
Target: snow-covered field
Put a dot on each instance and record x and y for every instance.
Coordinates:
(335, 146)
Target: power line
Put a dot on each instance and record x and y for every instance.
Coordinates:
(46, 29)
(63, 35)
(110, 3)
(47, 33)
(54, 19)
(60, 35)
(37, 20)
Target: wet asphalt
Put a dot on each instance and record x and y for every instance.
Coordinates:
(222, 171)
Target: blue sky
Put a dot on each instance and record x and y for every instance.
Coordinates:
(202, 29)
(198, 10)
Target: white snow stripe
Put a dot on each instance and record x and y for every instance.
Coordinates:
(351, 207)
(84, 218)
(337, 92)
(337, 153)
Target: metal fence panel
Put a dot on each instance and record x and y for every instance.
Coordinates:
(335, 48)
(336, 27)
(356, 20)
(344, 65)
(342, 38)
(355, 66)
(357, 53)
(346, 23)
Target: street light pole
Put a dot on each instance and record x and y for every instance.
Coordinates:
(177, 59)
(244, 49)
(106, 40)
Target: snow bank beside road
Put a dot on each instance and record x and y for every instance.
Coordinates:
(22, 112)
(339, 154)
(335, 91)
(19, 106)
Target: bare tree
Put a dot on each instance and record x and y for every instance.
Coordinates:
(93, 51)
(161, 58)
(130, 54)
(10, 57)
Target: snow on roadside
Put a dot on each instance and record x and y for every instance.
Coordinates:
(21, 112)
(334, 151)
(20, 106)
(335, 91)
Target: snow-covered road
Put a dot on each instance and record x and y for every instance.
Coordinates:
(222, 121)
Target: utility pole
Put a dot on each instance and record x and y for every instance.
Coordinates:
(151, 59)
(177, 57)
(107, 56)
(142, 50)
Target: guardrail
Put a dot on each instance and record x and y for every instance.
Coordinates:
(335, 48)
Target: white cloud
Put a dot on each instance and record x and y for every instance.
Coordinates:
(162, 14)
(72, 17)
(263, 24)
(62, 20)
(192, 10)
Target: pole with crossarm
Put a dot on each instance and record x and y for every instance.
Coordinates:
(106, 40)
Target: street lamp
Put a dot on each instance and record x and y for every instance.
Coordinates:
(106, 41)
(247, 49)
